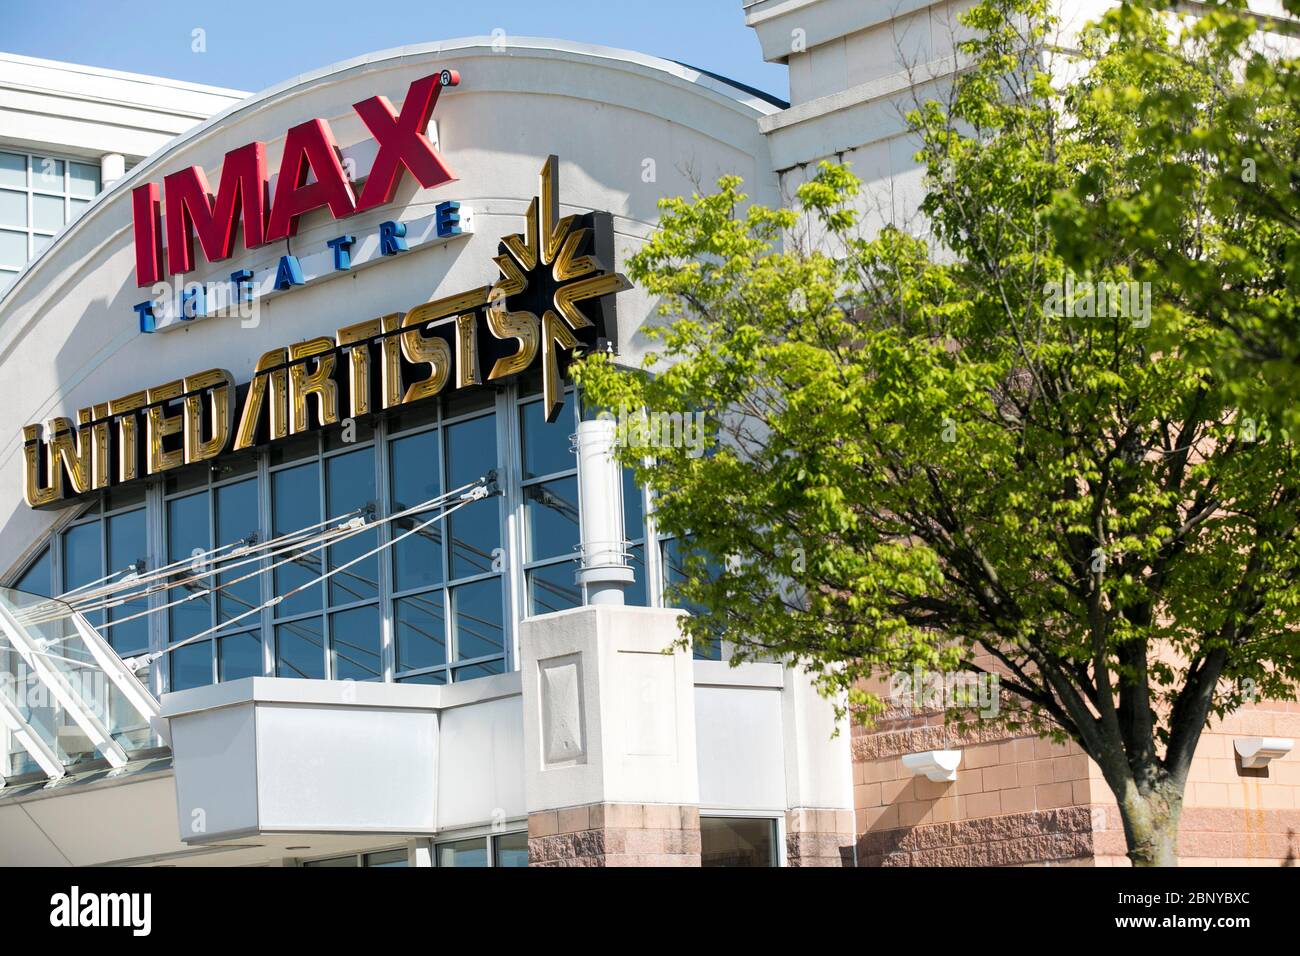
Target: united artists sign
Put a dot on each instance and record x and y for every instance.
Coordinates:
(554, 295)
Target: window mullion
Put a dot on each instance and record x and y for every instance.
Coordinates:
(384, 535)
(509, 473)
(213, 616)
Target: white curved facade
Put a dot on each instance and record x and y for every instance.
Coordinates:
(270, 767)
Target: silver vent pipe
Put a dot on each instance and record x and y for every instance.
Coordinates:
(603, 564)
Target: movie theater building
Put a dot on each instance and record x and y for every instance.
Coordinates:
(344, 575)
(298, 377)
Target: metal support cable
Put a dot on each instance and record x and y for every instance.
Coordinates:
(477, 491)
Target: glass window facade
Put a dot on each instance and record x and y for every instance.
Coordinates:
(438, 603)
(738, 841)
(673, 568)
(500, 849)
(38, 196)
(385, 858)
(550, 493)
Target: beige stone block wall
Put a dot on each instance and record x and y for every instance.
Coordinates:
(1229, 813)
(615, 834)
(1022, 801)
(819, 837)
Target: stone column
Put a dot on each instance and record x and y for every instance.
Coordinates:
(819, 837)
(609, 739)
(819, 826)
(615, 834)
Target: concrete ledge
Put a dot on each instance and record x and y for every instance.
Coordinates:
(722, 674)
(293, 690)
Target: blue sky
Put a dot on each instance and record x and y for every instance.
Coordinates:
(252, 44)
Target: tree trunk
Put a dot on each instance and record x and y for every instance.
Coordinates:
(1150, 814)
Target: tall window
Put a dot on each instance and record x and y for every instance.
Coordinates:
(550, 496)
(673, 556)
(634, 530)
(38, 196)
(327, 628)
(207, 508)
(113, 536)
(448, 578)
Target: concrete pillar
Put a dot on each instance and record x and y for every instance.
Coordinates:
(609, 741)
(604, 567)
(819, 824)
(112, 167)
(419, 852)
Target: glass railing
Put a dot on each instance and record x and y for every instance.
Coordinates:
(65, 695)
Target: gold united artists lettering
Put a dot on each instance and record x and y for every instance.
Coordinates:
(311, 384)
(544, 304)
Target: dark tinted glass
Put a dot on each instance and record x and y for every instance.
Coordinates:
(351, 485)
(476, 619)
(354, 638)
(436, 677)
(737, 841)
(191, 665)
(298, 649)
(551, 519)
(295, 504)
(675, 572)
(187, 533)
(421, 636)
(552, 588)
(633, 509)
(475, 530)
(128, 545)
(637, 593)
(236, 520)
(241, 656)
(484, 669)
(415, 466)
(36, 579)
(83, 561)
(546, 447)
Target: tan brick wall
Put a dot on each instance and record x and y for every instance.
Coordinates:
(615, 834)
(816, 837)
(1024, 800)
(1248, 816)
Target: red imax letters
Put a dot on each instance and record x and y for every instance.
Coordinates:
(402, 142)
(308, 148)
(190, 208)
(309, 153)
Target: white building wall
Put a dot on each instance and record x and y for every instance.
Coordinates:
(86, 111)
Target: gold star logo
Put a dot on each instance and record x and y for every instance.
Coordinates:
(548, 270)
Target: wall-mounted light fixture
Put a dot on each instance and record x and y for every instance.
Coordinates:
(1256, 752)
(937, 765)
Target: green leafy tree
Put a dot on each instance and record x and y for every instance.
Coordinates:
(1192, 166)
(962, 460)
